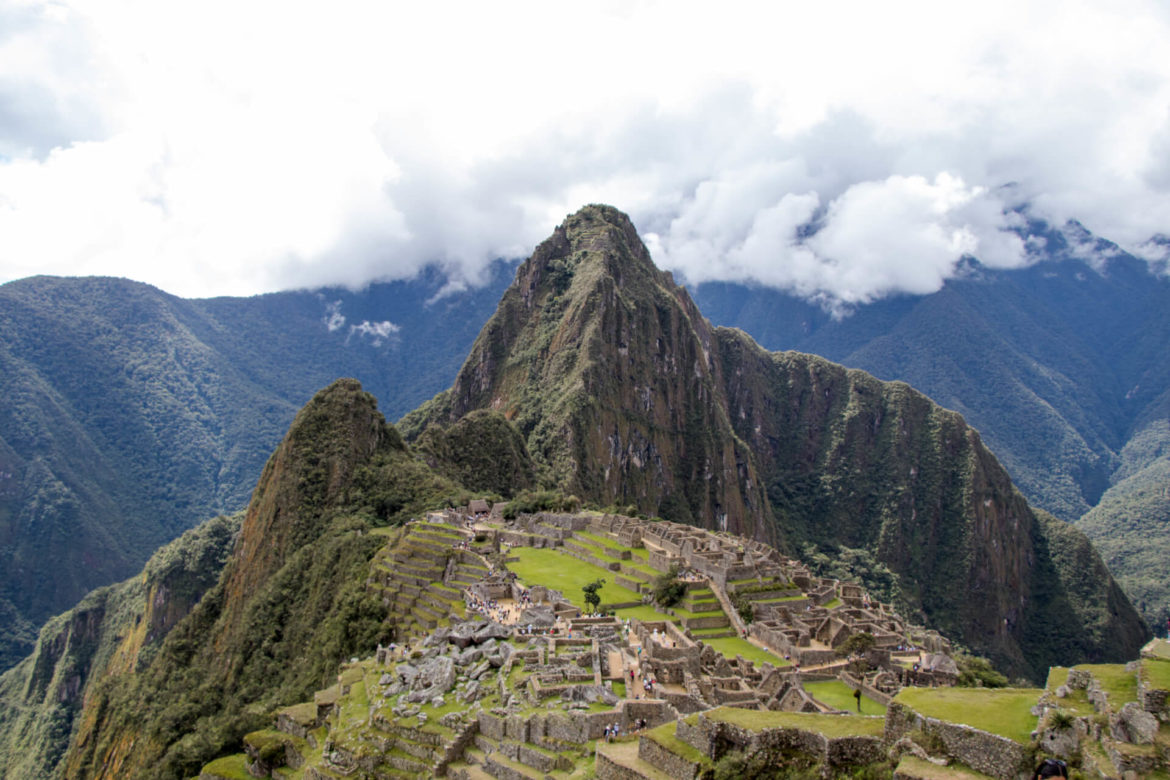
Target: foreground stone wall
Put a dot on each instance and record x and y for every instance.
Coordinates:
(989, 753)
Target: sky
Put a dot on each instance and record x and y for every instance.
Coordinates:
(843, 151)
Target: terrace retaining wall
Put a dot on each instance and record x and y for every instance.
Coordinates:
(983, 751)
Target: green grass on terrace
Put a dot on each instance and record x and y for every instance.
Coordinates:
(1077, 702)
(665, 736)
(1003, 711)
(833, 604)
(644, 613)
(829, 725)
(686, 613)
(600, 539)
(731, 646)
(232, 767)
(1156, 673)
(1119, 685)
(594, 550)
(838, 695)
(560, 571)
(1159, 648)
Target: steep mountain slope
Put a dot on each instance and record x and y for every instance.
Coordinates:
(128, 415)
(607, 369)
(289, 605)
(626, 395)
(1062, 366)
(110, 633)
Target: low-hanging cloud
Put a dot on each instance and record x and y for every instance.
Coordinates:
(843, 154)
(377, 332)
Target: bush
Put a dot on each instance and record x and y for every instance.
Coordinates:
(976, 671)
(743, 606)
(667, 589)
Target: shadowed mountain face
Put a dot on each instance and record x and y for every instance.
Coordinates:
(626, 395)
(1062, 367)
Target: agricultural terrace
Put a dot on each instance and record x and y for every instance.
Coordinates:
(1005, 711)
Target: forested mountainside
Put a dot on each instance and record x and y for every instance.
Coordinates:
(128, 415)
(596, 376)
(1062, 366)
(625, 395)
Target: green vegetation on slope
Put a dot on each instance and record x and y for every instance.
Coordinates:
(113, 631)
(128, 415)
(290, 606)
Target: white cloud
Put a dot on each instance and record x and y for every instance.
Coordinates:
(334, 320)
(376, 332)
(230, 148)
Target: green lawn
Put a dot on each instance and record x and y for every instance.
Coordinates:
(1156, 673)
(1119, 685)
(838, 695)
(556, 570)
(643, 613)
(232, 767)
(829, 725)
(731, 646)
(1003, 711)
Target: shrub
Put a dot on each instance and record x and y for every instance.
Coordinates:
(667, 589)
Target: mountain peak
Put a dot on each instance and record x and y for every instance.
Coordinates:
(607, 369)
(596, 242)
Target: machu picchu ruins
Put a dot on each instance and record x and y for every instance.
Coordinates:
(500, 668)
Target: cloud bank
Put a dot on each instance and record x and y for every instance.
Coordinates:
(843, 151)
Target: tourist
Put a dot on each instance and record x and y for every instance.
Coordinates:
(1050, 767)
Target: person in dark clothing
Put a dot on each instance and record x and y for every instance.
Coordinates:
(1050, 767)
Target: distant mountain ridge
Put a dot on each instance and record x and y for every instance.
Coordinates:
(128, 415)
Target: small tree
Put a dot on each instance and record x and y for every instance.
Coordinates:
(743, 606)
(976, 671)
(591, 596)
(858, 644)
(668, 589)
(855, 648)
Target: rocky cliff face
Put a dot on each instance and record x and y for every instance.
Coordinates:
(626, 395)
(849, 460)
(107, 635)
(608, 370)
